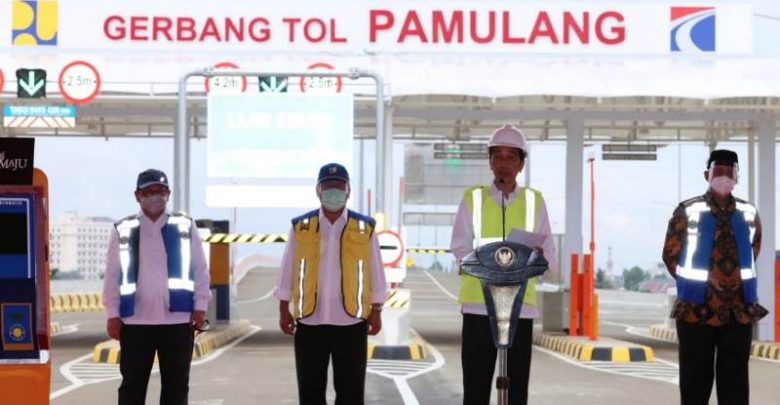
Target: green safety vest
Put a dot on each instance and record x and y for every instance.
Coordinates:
(522, 213)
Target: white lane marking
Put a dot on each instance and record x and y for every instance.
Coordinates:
(81, 373)
(67, 329)
(216, 353)
(641, 332)
(441, 287)
(75, 382)
(765, 359)
(631, 304)
(657, 370)
(624, 325)
(263, 298)
(401, 371)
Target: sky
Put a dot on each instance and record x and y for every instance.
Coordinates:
(96, 177)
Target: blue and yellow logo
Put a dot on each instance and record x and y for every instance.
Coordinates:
(34, 22)
(18, 333)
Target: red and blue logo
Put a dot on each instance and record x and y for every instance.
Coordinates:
(693, 29)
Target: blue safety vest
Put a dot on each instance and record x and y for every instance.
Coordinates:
(693, 270)
(176, 238)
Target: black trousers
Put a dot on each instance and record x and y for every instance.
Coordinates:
(173, 345)
(478, 359)
(720, 352)
(315, 346)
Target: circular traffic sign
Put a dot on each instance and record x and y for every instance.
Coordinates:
(226, 84)
(79, 82)
(390, 247)
(320, 85)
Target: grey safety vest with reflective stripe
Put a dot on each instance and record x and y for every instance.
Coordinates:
(176, 239)
(694, 268)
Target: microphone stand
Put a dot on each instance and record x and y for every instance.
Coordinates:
(502, 381)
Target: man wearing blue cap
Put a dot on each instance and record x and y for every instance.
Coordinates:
(710, 249)
(156, 290)
(333, 281)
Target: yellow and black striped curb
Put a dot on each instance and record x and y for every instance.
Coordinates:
(763, 350)
(210, 341)
(55, 328)
(661, 332)
(106, 352)
(581, 349)
(76, 302)
(205, 343)
(398, 299)
(428, 251)
(246, 238)
(413, 351)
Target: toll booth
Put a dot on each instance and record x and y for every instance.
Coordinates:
(25, 366)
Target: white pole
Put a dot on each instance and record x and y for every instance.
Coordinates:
(767, 210)
(574, 165)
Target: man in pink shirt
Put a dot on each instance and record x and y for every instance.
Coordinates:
(333, 281)
(156, 291)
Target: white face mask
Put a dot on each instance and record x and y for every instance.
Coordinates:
(153, 204)
(722, 185)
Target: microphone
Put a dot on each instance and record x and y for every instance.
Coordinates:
(501, 184)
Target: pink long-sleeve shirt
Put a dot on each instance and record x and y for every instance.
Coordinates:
(151, 296)
(330, 302)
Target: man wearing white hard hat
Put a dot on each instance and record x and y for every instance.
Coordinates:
(525, 210)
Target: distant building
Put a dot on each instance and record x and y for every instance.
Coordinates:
(80, 244)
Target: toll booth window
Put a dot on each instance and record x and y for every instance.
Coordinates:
(13, 238)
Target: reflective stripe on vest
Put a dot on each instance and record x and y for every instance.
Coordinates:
(124, 229)
(693, 212)
(693, 272)
(471, 291)
(301, 279)
(749, 213)
(183, 282)
(359, 295)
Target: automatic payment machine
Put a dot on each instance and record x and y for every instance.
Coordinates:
(25, 366)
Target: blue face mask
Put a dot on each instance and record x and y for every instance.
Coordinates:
(334, 199)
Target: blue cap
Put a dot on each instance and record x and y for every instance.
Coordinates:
(333, 171)
(150, 177)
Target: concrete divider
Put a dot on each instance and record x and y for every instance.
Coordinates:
(395, 340)
(76, 302)
(602, 349)
(414, 350)
(763, 350)
(205, 343)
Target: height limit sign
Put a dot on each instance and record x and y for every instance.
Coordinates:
(79, 82)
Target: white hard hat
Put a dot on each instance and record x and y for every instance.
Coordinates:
(509, 136)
